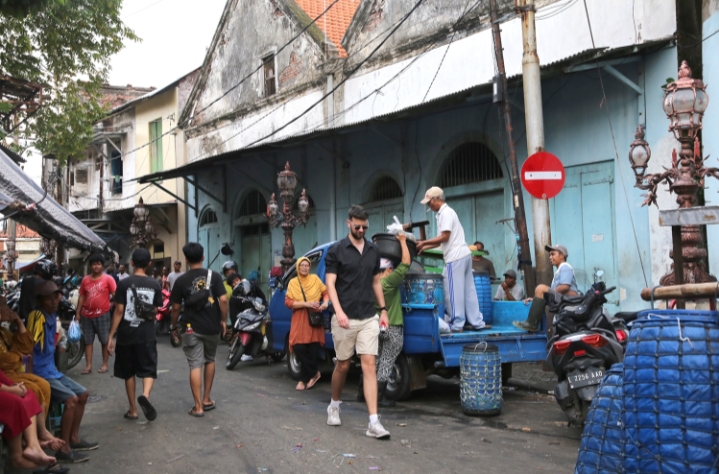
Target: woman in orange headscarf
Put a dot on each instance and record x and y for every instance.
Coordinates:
(304, 294)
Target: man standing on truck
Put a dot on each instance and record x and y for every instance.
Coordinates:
(353, 283)
(563, 284)
(460, 294)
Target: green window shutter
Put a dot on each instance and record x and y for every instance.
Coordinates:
(156, 155)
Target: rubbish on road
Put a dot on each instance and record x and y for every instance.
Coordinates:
(406, 442)
(321, 450)
(292, 428)
(350, 455)
(374, 468)
(238, 446)
(216, 428)
(175, 458)
(485, 440)
(402, 424)
(526, 430)
(297, 448)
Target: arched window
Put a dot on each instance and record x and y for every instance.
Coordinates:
(253, 204)
(469, 163)
(385, 188)
(208, 217)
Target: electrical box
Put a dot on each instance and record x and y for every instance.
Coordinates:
(497, 89)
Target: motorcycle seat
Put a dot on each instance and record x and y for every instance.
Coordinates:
(627, 316)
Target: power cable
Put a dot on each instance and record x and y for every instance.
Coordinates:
(319, 101)
(616, 150)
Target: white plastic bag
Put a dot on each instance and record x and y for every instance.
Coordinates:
(443, 326)
(74, 333)
(396, 227)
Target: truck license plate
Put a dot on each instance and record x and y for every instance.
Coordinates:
(584, 379)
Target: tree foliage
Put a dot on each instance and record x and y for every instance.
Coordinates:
(65, 46)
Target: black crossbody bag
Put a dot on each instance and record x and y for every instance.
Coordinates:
(143, 310)
(317, 319)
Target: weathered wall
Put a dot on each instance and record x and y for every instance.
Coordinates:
(710, 139)
(121, 122)
(253, 31)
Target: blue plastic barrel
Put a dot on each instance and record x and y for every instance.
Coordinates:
(423, 289)
(480, 385)
(602, 446)
(483, 285)
(671, 392)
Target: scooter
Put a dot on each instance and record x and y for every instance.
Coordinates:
(164, 314)
(585, 344)
(249, 335)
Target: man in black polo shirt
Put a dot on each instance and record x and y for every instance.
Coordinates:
(353, 283)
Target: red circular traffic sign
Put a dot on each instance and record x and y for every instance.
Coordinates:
(543, 175)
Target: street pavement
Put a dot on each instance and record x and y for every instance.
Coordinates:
(263, 425)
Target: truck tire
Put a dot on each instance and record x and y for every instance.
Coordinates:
(398, 385)
(294, 367)
(506, 372)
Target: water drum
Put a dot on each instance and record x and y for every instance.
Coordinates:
(480, 384)
(483, 285)
(423, 288)
(602, 446)
(671, 390)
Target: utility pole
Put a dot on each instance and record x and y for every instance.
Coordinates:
(520, 220)
(534, 118)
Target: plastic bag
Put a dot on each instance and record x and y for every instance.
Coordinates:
(74, 333)
(396, 227)
(443, 326)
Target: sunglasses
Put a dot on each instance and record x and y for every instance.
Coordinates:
(363, 227)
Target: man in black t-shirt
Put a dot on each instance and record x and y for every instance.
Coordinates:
(203, 322)
(136, 344)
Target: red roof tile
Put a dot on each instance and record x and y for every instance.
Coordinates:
(335, 22)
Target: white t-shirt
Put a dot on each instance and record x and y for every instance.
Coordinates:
(517, 292)
(122, 276)
(456, 247)
(172, 277)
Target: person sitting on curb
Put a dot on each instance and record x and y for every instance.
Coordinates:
(509, 290)
(563, 284)
(42, 324)
(136, 340)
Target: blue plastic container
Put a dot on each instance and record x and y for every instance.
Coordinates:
(480, 385)
(602, 447)
(483, 285)
(421, 289)
(671, 392)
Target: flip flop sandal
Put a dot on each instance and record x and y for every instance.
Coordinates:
(102, 371)
(209, 407)
(313, 381)
(127, 416)
(192, 412)
(86, 372)
(147, 409)
(53, 469)
(300, 386)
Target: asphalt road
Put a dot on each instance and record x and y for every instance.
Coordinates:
(263, 425)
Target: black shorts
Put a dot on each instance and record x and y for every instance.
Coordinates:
(136, 360)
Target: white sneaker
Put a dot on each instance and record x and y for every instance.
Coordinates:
(246, 358)
(333, 416)
(376, 430)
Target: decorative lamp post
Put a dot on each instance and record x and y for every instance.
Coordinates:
(288, 219)
(685, 102)
(141, 227)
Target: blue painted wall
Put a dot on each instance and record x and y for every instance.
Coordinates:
(577, 128)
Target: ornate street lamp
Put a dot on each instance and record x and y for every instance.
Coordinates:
(141, 227)
(288, 219)
(685, 102)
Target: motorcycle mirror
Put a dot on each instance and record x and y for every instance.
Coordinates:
(599, 273)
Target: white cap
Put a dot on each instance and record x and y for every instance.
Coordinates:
(433, 192)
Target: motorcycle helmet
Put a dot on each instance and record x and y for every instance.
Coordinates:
(242, 289)
(230, 265)
(46, 269)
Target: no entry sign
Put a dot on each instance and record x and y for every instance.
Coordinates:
(543, 175)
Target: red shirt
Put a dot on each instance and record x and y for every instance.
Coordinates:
(97, 295)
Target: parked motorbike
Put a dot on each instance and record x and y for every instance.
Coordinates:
(249, 335)
(164, 314)
(585, 344)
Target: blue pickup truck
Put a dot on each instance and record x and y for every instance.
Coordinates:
(425, 351)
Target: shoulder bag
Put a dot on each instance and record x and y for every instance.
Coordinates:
(198, 300)
(317, 319)
(143, 310)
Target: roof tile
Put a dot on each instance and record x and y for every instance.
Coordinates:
(335, 23)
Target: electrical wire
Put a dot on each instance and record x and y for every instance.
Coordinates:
(616, 150)
(319, 101)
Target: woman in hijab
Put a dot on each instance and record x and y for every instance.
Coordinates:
(304, 294)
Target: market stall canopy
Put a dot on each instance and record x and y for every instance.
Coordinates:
(25, 202)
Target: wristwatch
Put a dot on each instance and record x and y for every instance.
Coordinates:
(383, 308)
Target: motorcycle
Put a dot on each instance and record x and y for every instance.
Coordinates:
(164, 313)
(249, 335)
(586, 342)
